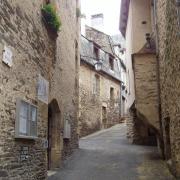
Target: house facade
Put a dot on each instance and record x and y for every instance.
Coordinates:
(100, 89)
(39, 99)
(114, 45)
(151, 29)
(118, 44)
(136, 26)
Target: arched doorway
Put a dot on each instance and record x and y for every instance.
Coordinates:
(54, 135)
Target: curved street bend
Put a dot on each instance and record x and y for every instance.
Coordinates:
(107, 155)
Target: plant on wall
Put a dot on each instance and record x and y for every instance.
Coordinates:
(51, 17)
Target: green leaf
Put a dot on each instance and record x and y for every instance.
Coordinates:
(51, 17)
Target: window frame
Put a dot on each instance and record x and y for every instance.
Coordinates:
(96, 52)
(19, 135)
(111, 62)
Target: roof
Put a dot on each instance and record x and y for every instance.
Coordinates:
(101, 38)
(148, 48)
(124, 16)
(98, 45)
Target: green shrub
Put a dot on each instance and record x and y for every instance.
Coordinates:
(51, 17)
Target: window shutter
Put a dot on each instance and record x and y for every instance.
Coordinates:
(33, 121)
(23, 118)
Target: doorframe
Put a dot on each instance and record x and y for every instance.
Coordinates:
(54, 135)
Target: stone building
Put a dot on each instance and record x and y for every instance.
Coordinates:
(136, 26)
(155, 71)
(113, 45)
(100, 89)
(168, 51)
(38, 89)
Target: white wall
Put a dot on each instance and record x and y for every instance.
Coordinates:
(139, 11)
(128, 62)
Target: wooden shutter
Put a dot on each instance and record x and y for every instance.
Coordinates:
(33, 121)
(23, 118)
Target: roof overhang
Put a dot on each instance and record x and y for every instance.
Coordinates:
(124, 16)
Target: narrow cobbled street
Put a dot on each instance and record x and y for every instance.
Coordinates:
(107, 155)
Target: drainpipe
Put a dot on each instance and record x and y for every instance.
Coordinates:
(158, 77)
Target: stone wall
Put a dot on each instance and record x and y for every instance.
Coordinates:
(34, 53)
(138, 131)
(169, 57)
(91, 104)
(146, 88)
(65, 74)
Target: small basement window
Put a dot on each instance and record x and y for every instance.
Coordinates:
(26, 120)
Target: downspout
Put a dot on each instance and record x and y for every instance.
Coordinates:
(158, 77)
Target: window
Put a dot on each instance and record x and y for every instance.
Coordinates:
(96, 85)
(111, 62)
(26, 120)
(111, 94)
(96, 52)
(112, 97)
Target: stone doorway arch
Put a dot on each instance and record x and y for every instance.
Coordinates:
(54, 135)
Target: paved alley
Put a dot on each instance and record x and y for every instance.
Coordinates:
(107, 155)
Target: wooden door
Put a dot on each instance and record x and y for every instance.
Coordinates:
(49, 138)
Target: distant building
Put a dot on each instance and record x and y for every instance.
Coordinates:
(114, 45)
(100, 89)
(118, 44)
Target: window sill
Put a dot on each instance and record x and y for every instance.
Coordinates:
(26, 137)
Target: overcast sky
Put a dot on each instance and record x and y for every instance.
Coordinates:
(110, 9)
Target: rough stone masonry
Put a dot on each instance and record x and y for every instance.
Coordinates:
(99, 90)
(35, 52)
(169, 47)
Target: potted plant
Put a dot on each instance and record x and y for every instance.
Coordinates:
(51, 18)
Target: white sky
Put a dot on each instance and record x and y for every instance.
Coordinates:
(110, 9)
